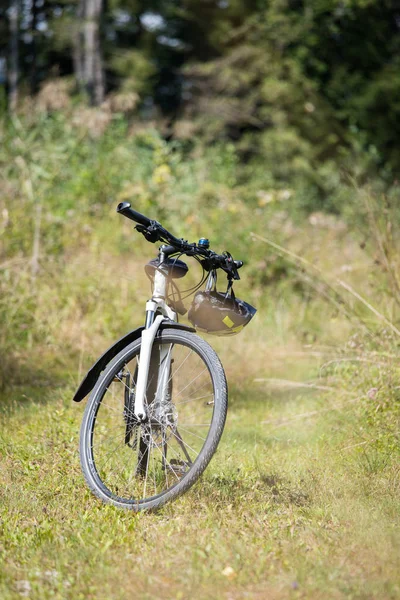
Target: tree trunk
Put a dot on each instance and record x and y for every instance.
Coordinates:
(93, 66)
(33, 76)
(13, 72)
(98, 73)
(78, 50)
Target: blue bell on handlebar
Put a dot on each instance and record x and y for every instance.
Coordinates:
(204, 243)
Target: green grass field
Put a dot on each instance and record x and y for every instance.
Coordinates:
(297, 503)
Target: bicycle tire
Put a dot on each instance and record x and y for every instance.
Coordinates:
(92, 426)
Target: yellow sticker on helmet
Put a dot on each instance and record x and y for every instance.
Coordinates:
(228, 322)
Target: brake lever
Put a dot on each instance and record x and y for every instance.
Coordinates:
(232, 267)
(151, 233)
(235, 274)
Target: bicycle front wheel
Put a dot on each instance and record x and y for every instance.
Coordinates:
(143, 465)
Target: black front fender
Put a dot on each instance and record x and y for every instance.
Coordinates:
(93, 374)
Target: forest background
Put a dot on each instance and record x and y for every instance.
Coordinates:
(270, 127)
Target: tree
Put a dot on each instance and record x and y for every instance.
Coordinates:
(298, 85)
(92, 62)
(34, 32)
(13, 65)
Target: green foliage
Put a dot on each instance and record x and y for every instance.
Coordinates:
(306, 96)
(308, 99)
(136, 70)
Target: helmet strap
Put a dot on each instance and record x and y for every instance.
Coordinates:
(211, 284)
(229, 289)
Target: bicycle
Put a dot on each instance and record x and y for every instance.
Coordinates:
(159, 395)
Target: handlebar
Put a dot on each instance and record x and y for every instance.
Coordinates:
(124, 208)
(154, 231)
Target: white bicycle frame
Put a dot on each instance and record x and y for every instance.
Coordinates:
(156, 304)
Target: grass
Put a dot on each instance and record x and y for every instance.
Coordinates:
(290, 507)
(302, 498)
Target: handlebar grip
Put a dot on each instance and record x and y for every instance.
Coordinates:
(124, 208)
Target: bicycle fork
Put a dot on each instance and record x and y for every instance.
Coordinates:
(148, 336)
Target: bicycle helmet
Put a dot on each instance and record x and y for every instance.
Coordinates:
(220, 314)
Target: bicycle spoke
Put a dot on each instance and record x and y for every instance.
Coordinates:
(193, 434)
(194, 399)
(195, 424)
(109, 455)
(197, 376)
(174, 472)
(181, 441)
(181, 365)
(146, 471)
(182, 445)
(179, 438)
